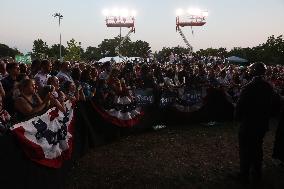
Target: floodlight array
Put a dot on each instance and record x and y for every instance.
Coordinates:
(116, 12)
(194, 12)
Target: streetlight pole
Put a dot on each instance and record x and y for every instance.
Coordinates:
(59, 21)
(119, 39)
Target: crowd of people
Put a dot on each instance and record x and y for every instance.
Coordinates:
(28, 90)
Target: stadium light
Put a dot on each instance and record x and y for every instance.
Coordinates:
(205, 13)
(133, 13)
(106, 12)
(124, 13)
(190, 17)
(179, 12)
(195, 15)
(194, 12)
(120, 18)
(116, 12)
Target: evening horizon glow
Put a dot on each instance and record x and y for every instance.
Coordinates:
(230, 24)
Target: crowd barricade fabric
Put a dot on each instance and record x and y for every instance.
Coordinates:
(120, 118)
(42, 160)
(144, 97)
(189, 100)
(168, 98)
(47, 139)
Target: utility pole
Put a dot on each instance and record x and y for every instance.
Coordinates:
(59, 21)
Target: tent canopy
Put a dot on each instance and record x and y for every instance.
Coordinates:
(236, 59)
(118, 59)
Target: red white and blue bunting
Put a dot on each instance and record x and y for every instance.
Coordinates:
(47, 139)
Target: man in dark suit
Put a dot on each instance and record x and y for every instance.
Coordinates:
(278, 150)
(253, 111)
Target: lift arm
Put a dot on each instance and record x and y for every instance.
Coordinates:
(184, 39)
(121, 42)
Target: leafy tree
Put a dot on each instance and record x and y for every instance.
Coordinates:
(273, 50)
(221, 52)
(92, 53)
(53, 51)
(74, 51)
(107, 46)
(270, 52)
(238, 51)
(128, 48)
(165, 53)
(140, 49)
(6, 51)
(40, 49)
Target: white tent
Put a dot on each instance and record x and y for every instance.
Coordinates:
(236, 59)
(115, 59)
(118, 59)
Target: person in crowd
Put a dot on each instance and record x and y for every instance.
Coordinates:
(82, 66)
(102, 94)
(16, 89)
(8, 84)
(106, 68)
(3, 72)
(5, 118)
(72, 92)
(229, 73)
(23, 68)
(222, 78)
(56, 101)
(28, 104)
(85, 81)
(253, 111)
(211, 78)
(147, 78)
(115, 83)
(35, 67)
(42, 76)
(94, 77)
(2, 91)
(169, 80)
(55, 68)
(244, 76)
(64, 73)
(76, 75)
(57, 93)
(127, 73)
(278, 149)
(22, 76)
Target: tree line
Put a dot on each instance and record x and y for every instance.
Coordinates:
(74, 51)
(270, 52)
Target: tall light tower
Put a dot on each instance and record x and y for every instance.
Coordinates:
(191, 17)
(120, 18)
(59, 21)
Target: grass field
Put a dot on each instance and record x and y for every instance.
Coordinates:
(192, 156)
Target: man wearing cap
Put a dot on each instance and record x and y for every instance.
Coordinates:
(253, 111)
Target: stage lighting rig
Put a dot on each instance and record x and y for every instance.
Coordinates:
(120, 18)
(192, 17)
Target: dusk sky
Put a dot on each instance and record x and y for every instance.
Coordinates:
(231, 23)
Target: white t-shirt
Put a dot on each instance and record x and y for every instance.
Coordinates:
(41, 79)
(63, 77)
